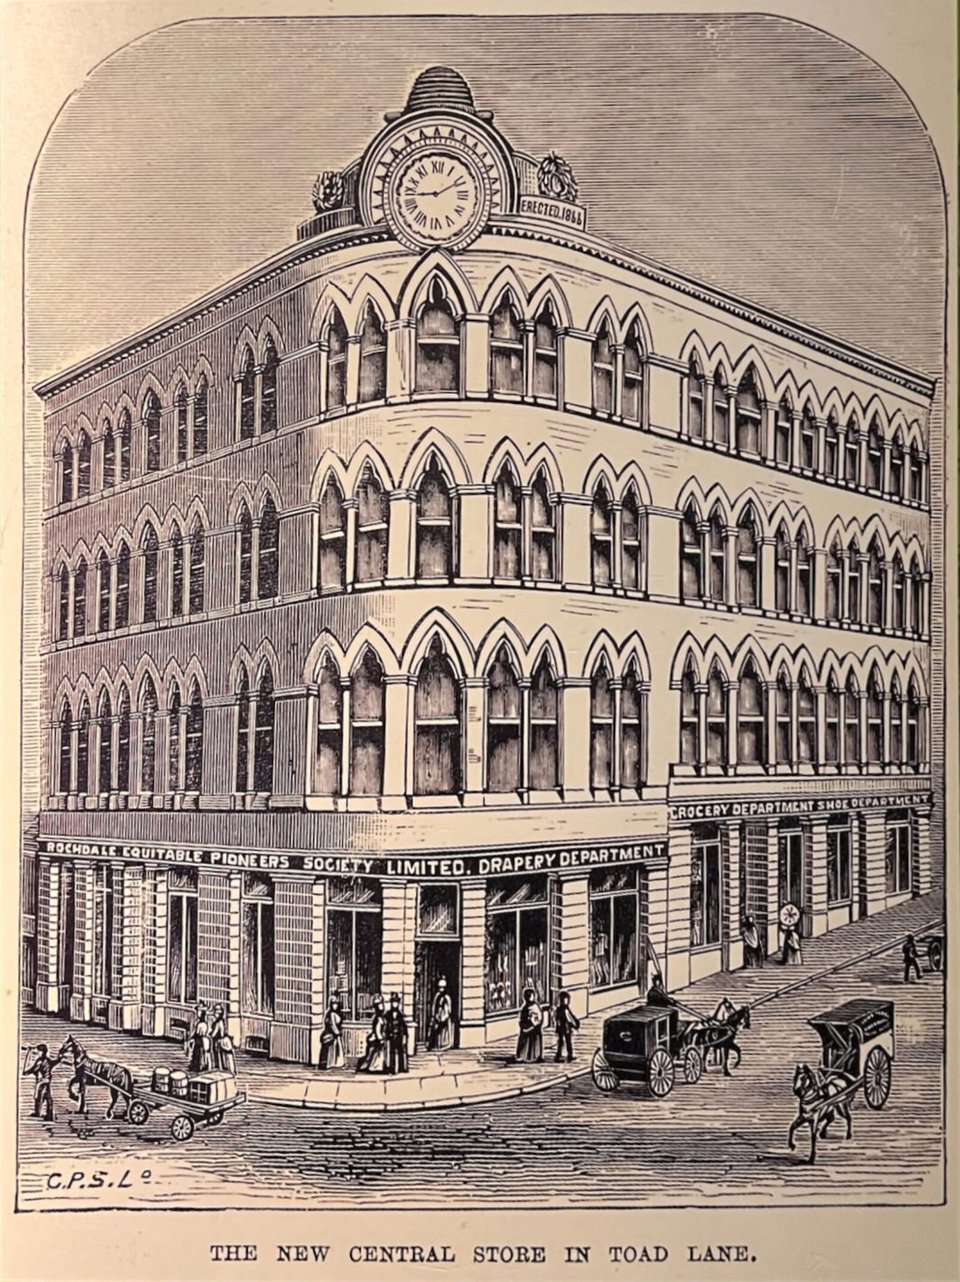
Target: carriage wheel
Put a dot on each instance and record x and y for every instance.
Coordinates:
(181, 1128)
(935, 954)
(604, 1078)
(692, 1065)
(877, 1076)
(661, 1073)
(215, 1118)
(138, 1112)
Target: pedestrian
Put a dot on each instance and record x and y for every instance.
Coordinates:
(565, 1023)
(395, 1027)
(792, 955)
(221, 1043)
(530, 1040)
(198, 1045)
(657, 995)
(331, 1039)
(752, 949)
(911, 960)
(374, 1059)
(42, 1069)
(441, 1034)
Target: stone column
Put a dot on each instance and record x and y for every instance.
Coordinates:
(400, 359)
(48, 935)
(768, 432)
(656, 873)
(708, 395)
(815, 873)
(155, 928)
(81, 1005)
(475, 341)
(922, 855)
(572, 919)
(767, 594)
(475, 534)
(218, 950)
(290, 748)
(352, 395)
(574, 534)
(399, 932)
(576, 357)
(663, 554)
(818, 561)
(574, 733)
(873, 842)
(733, 695)
(473, 914)
(474, 701)
(130, 877)
(401, 543)
(677, 959)
(397, 728)
(731, 935)
(294, 933)
(731, 593)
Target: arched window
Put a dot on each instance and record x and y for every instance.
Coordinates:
(174, 740)
(373, 356)
(851, 718)
(632, 541)
(83, 747)
(247, 410)
(268, 559)
(436, 760)
(601, 727)
(83, 465)
(874, 720)
(603, 370)
(151, 428)
(105, 725)
(834, 584)
(899, 594)
(544, 728)
(121, 613)
(695, 392)
(632, 408)
(434, 525)
(784, 718)
(242, 778)
(718, 576)
(63, 613)
(125, 432)
(66, 748)
(875, 585)
(855, 584)
(851, 465)
(808, 440)
(66, 472)
(631, 728)
(438, 344)
(689, 718)
(373, 512)
(782, 553)
(748, 415)
(914, 744)
(874, 457)
(503, 724)
(507, 525)
(328, 769)
(804, 603)
(109, 455)
(543, 530)
(748, 560)
(123, 741)
(831, 448)
(916, 474)
(333, 538)
(80, 598)
(806, 721)
(832, 723)
(751, 718)
(148, 736)
(896, 722)
(103, 592)
(721, 410)
(263, 734)
(691, 555)
(601, 538)
(245, 554)
(200, 416)
(506, 348)
(151, 557)
(180, 411)
(193, 776)
(716, 718)
(545, 354)
(897, 466)
(177, 575)
(197, 567)
(366, 727)
(783, 432)
(268, 387)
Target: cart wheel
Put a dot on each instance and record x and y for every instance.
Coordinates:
(181, 1128)
(692, 1065)
(660, 1073)
(215, 1118)
(877, 1075)
(604, 1078)
(138, 1112)
(935, 954)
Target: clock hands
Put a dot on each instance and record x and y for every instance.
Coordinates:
(442, 190)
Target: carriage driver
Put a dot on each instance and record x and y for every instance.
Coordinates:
(657, 995)
(42, 1069)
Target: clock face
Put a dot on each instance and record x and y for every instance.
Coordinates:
(436, 195)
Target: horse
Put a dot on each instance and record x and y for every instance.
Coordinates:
(819, 1102)
(718, 1036)
(96, 1072)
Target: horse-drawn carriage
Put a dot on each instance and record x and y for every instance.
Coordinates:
(858, 1049)
(645, 1045)
(936, 946)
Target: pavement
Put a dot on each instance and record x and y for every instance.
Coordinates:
(490, 1072)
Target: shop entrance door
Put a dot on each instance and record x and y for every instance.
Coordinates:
(433, 958)
(791, 872)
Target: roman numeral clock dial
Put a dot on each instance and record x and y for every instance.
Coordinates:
(436, 190)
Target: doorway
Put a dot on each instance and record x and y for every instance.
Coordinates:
(434, 958)
(791, 871)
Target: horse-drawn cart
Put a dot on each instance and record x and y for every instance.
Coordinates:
(936, 946)
(144, 1101)
(645, 1045)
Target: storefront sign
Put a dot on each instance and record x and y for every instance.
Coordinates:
(492, 865)
(782, 808)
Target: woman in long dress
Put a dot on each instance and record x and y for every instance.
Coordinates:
(198, 1046)
(530, 1040)
(441, 1023)
(375, 1056)
(331, 1039)
(792, 956)
(224, 1057)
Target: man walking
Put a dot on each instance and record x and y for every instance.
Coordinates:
(396, 1035)
(911, 960)
(565, 1024)
(42, 1069)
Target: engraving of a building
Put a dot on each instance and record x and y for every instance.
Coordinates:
(458, 594)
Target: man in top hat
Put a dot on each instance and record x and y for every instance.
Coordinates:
(565, 1024)
(396, 1036)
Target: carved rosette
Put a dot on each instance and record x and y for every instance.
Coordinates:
(328, 191)
(555, 178)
